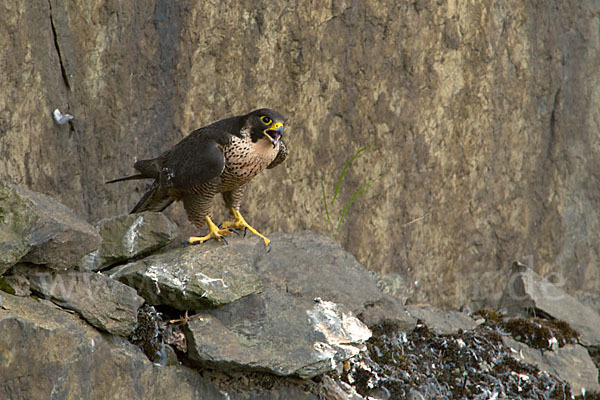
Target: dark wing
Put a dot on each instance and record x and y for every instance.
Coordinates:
(193, 161)
(281, 156)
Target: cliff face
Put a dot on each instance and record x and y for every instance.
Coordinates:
(483, 121)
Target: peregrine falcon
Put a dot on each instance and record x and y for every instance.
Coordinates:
(219, 158)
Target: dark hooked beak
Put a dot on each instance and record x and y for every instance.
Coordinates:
(274, 133)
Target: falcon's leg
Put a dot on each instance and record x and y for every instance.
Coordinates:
(241, 224)
(213, 233)
(197, 206)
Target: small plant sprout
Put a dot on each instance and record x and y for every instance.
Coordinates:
(330, 205)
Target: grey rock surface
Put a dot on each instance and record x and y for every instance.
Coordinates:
(36, 228)
(193, 277)
(308, 265)
(105, 303)
(529, 291)
(17, 283)
(64, 358)
(16, 221)
(276, 332)
(311, 265)
(442, 321)
(571, 363)
(127, 236)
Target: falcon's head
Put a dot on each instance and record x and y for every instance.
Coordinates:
(265, 124)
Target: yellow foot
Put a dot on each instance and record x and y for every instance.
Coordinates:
(241, 224)
(213, 233)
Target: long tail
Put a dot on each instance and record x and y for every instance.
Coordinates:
(127, 178)
(155, 199)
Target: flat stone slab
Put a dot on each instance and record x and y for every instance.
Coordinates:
(571, 363)
(105, 303)
(36, 228)
(47, 353)
(275, 332)
(527, 290)
(128, 236)
(193, 277)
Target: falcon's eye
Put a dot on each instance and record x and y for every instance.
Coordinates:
(266, 120)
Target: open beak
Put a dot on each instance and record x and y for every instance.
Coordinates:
(274, 133)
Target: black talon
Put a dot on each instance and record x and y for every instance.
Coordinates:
(236, 231)
(225, 240)
(245, 231)
(268, 248)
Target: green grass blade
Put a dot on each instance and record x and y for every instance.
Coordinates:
(325, 202)
(355, 196)
(345, 171)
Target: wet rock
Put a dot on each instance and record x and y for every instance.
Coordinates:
(103, 302)
(193, 277)
(64, 358)
(571, 363)
(275, 332)
(309, 265)
(442, 321)
(127, 236)
(36, 228)
(529, 292)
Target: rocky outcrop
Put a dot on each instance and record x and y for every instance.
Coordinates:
(128, 236)
(527, 292)
(481, 116)
(193, 277)
(104, 303)
(46, 352)
(271, 305)
(275, 332)
(253, 324)
(37, 229)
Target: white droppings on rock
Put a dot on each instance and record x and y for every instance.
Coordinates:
(117, 271)
(165, 273)
(344, 333)
(206, 280)
(132, 234)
